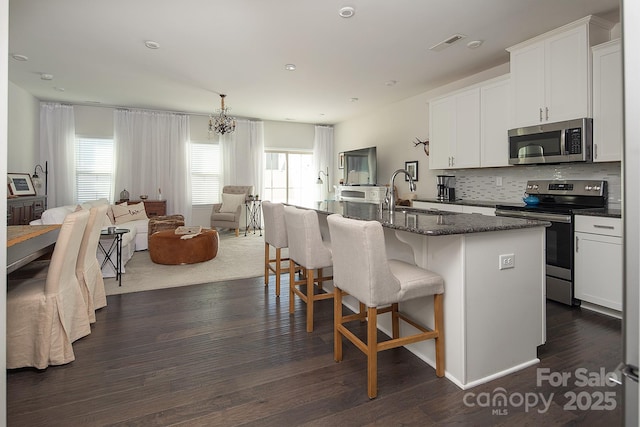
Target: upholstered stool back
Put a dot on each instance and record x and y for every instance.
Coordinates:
(275, 234)
(308, 251)
(275, 227)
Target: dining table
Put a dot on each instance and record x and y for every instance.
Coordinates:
(26, 243)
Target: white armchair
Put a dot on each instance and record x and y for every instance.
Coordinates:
(227, 214)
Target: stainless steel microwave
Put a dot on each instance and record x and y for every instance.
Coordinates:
(561, 142)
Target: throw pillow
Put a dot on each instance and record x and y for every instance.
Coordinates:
(230, 202)
(128, 213)
(110, 213)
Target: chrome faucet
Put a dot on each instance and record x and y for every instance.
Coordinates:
(391, 194)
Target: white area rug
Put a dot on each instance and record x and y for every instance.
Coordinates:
(238, 258)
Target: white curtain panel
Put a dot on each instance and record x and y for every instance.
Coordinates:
(243, 155)
(152, 154)
(57, 146)
(323, 160)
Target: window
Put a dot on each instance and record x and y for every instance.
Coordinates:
(289, 178)
(205, 173)
(94, 169)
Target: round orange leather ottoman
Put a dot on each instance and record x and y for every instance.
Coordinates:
(167, 247)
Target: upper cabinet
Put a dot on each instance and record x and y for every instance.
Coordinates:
(551, 74)
(454, 123)
(468, 128)
(607, 102)
(494, 123)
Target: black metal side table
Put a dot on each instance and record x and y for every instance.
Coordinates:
(253, 220)
(116, 244)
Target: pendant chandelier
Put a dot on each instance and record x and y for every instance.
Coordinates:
(220, 122)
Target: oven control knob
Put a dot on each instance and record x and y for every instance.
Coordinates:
(596, 188)
(588, 187)
(535, 186)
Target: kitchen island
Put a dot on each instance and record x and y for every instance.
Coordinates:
(494, 310)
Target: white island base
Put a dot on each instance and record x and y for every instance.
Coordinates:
(494, 319)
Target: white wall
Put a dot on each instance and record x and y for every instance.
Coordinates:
(288, 136)
(23, 131)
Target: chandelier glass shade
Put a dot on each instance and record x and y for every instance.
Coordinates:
(220, 122)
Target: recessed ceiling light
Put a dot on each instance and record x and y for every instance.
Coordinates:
(151, 44)
(45, 76)
(347, 12)
(19, 57)
(474, 44)
(354, 99)
(390, 82)
(59, 89)
(290, 67)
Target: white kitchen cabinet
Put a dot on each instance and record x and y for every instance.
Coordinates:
(598, 262)
(607, 102)
(551, 74)
(454, 123)
(437, 206)
(494, 123)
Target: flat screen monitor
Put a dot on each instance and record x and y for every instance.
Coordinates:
(360, 167)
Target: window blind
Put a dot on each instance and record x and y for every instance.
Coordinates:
(205, 173)
(94, 169)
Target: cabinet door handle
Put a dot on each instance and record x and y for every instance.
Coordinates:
(595, 151)
(453, 160)
(546, 112)
(540, 114)
(608, 227)
(577, 246)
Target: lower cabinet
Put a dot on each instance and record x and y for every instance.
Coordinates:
(598, 261)
(22, 210)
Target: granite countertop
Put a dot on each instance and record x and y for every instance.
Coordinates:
(427, 222)
(479, 203)
(605, 212)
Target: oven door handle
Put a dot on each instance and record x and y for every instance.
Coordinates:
(566, 219)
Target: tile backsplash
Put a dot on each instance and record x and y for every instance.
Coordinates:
(480, 184)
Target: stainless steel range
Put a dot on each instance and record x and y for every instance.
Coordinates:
(557, 203)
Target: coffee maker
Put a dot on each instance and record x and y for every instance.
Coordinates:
(446, 188)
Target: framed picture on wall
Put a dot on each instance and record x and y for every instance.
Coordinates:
(20, 184)
(341, 161)
(412, 168)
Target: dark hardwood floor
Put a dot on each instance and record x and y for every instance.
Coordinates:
(230, 354)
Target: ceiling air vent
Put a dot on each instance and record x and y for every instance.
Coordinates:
(448, 42)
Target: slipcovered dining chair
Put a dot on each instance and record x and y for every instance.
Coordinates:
(88, 269)
(228, 213)
(309, 252)
(46, 315)
(275, 234)
(361, 268)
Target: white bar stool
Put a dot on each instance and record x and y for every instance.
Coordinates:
(308, 251)
(361, 268)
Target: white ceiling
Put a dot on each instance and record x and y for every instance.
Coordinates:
(95, 50)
